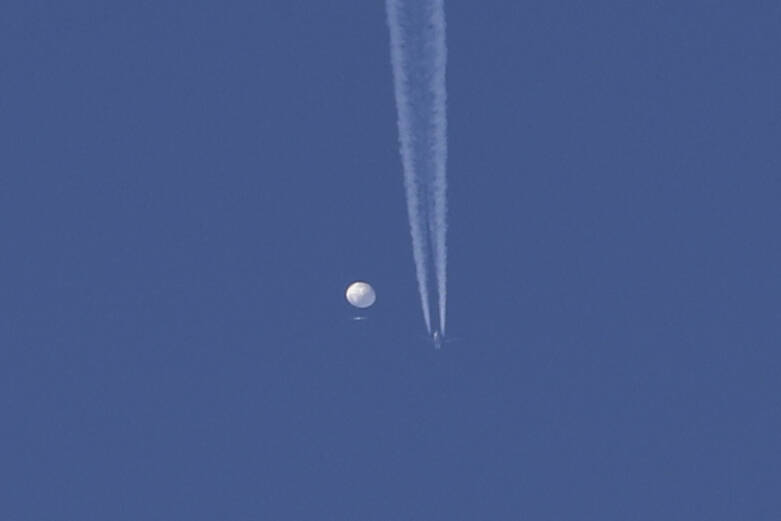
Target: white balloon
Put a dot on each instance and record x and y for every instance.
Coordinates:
(360, 294)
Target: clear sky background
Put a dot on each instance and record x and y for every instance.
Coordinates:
(187, 188)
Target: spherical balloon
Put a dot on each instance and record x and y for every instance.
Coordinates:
(360, 294)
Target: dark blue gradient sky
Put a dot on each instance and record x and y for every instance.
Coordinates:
(187, 188)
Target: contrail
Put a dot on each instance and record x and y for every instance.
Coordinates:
(419, 56)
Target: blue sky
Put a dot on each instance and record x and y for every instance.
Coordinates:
(186, 191)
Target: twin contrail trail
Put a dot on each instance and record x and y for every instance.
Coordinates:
(419, 56)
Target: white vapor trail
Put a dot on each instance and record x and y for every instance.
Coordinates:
(418, 57)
